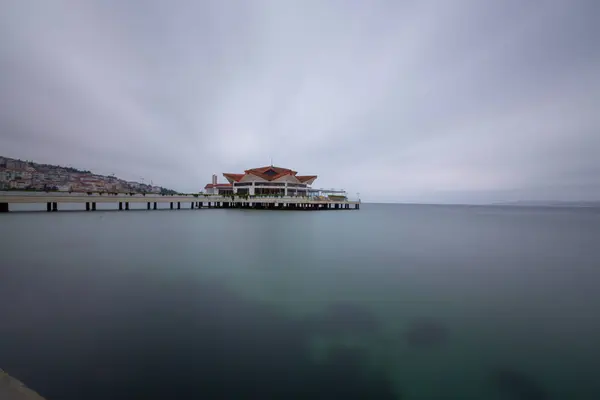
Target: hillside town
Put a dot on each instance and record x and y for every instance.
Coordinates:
(28, 175)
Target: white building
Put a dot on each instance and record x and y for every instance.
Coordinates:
(64, 188)
(10, 175)
(19, 184)
(26, 175)
(268, 180)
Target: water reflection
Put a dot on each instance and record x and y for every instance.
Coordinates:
(517, 385)
(347, 364)
(345, 318)
(151, 337)
(426, 333)
(92, 307)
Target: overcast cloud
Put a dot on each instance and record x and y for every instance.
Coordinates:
(432, 101)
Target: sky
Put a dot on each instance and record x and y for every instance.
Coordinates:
(462, 101)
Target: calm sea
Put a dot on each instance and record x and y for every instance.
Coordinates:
(389, 302)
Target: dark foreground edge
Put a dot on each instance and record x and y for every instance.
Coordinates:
(12, 389)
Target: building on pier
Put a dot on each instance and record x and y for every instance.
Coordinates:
(214, 187)
(268, 180)
(328, 194)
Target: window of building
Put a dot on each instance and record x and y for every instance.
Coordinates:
(270, 172)
(269, 184)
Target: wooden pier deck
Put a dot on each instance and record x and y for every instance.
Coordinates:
(122, 201)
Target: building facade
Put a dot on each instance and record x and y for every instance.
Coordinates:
(270, 180)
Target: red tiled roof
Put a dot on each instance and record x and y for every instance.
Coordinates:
(270, 177)
(304, 178)
(278, 170)
(261, 172)
(233, 177)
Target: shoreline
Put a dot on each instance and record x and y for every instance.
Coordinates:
(13, 389)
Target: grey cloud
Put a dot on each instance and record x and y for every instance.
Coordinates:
(401, 101)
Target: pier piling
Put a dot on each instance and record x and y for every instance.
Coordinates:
(90, 201)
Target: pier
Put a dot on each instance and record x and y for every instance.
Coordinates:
(122, 201)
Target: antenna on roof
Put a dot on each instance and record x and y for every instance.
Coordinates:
(271, 161)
